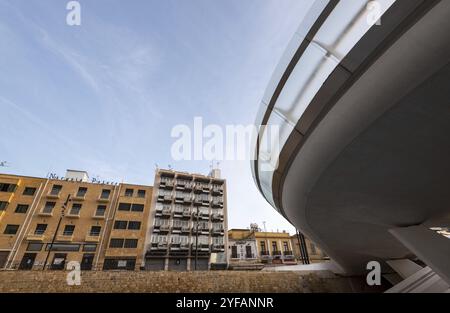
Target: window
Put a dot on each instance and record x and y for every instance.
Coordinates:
(81, 192)
(101, 209)
(11, 229)
(134, 225)
(48, 208)
(105, 194)
(137, 208)
(63, 247)
(121, 264)
(95, 231)
(68, 230)
(131, 243)
(40, 229)
(35, 246)
(129, 192)
(116, 243)
(29, 191)
(234, 254)
(7, 187)
(22, 208)
(285, 246)
(56, 189)
(263, 246)
(274, 246)
(3, 205)
(76, 207)
(120, 225)
(124, 206)
(89, 247)
(141, 193)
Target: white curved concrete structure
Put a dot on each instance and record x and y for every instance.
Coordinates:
(364, 117)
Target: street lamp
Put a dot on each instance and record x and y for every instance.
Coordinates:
(63, 210)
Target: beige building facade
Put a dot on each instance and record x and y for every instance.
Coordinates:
(48, 222)
(267, 247)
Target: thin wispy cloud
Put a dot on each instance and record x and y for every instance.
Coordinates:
(105, 95)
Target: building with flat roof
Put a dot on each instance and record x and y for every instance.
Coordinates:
(48, 222)
(266, 247)
(189, 222)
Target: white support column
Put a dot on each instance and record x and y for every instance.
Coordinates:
(427, 245)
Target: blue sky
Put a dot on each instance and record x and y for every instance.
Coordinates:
(104, 96)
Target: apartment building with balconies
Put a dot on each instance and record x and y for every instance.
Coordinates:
(189, 222)
(48, 222)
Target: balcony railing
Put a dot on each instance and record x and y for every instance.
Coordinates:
(217, 217)
(166, 212)
(164, 228)
(276, 253)
(288, 253)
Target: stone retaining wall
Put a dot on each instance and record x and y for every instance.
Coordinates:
(212, 281)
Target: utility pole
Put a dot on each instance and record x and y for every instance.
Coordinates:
(196, 240)
(63, 211)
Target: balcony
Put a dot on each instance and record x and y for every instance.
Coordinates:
(162, 246)
(184, 185)
(176, 228)
(177, 248)
(166, 184)
(65, 237)
(103, 199)
(164, 228)
(73, 215)
(36, 236)
(45, 214)
(177, 212)
(166, 212)
(217, 217)
(217, 191)
(79, 198)
(276, 253)
(217, 204)
(54, 195)
(164, 198)
(187, 199)
(217, 231)
(92, 237)
(185, 229)
(202, 247)
(217, 247)
(265, 254)
(204, 230)
(288, 253)
(98, 216)
(187, 213)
